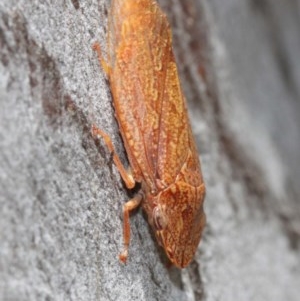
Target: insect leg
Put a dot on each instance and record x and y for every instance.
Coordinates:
(106, 67)
(126, 176)
(127, 208)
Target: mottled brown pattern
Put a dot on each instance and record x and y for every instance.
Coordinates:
(152, 116)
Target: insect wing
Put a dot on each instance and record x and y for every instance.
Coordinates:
(148, 99)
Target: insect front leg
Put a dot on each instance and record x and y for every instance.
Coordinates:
(130, 183)
(127, 208)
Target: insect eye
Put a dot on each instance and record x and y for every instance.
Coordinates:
(158, 219)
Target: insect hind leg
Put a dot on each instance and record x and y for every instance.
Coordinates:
(106, 67)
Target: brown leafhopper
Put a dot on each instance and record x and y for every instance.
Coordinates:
(151, 112)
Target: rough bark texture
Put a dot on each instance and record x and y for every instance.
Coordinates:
(61, 196)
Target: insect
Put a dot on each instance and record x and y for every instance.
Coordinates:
(151, 112)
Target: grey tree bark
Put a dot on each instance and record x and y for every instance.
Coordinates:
(61, 196)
